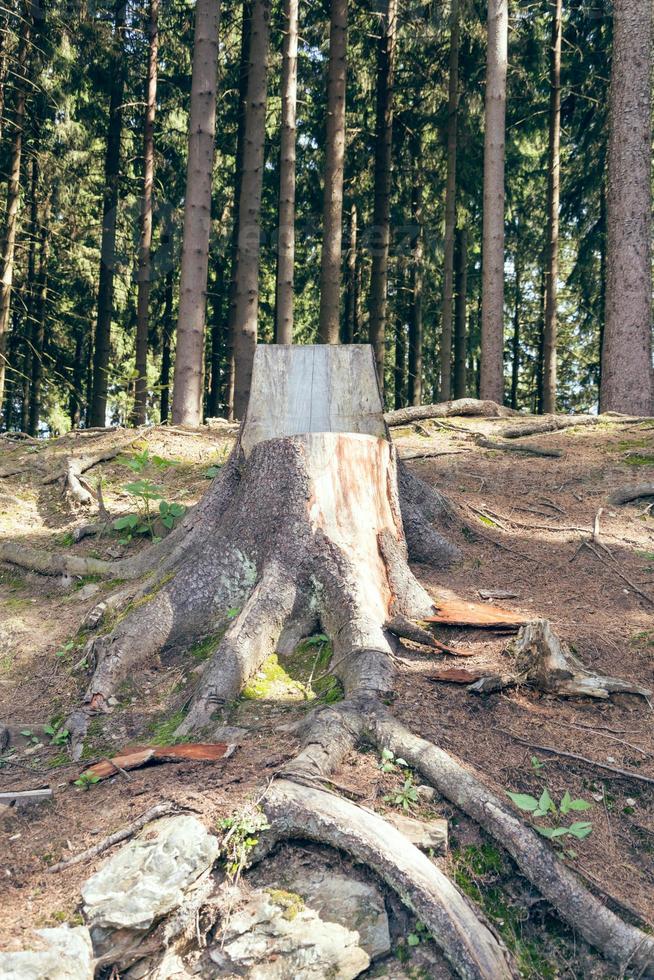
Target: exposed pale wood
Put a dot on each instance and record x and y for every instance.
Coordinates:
(460, 612)
(25, 796)
(312, 388)
(460, 406)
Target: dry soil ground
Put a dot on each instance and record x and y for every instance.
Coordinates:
(526, 519)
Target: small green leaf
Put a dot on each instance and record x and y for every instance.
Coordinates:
(566, 803)
(551, 832)
(580, 829)
(412, 939)
(129, 520)
(524, 801)
(580, 805)
(546, 802)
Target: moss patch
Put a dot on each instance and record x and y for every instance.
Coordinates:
(163, 732)
(288, 901)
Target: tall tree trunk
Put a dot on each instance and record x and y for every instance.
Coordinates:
(517, 313)
(382, 195)
(38, 331)
(492, 324)
(450, 205)
(332, 215)
(244, 65)
(602, 285)
(75, 399)
(145, 243)
(29, 285)
(189, 357)
(415, 319)
(351, 328)
(286, 214)
(399, 372)
(246, 297)
(166, 335)
(110, 205)
(460, 317)
(4, 64)
(553, 184)
(627, 383)
(13, 192)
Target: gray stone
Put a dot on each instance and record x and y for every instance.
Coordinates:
(273, 936)
(61, 954)
(428, 835)
(337, 897)
(149, 877)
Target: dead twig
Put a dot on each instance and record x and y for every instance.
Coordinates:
(618, 572)
(160, 810)
(622, 773)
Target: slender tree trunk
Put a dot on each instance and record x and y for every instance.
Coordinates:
(492, 325)
(75, 400)
(332, 216)
(602, 286)
(13, 193)
(382, 196)
(351, 325)
(400, 371)
(145, 243)
(189, 357)
(517, 313)
(29, 285)
(541, 351)
(553, 183)
(627, 383)
(110, 205)
(450, 205)
(166, 334)
(461, 318)
(244, 65)
(286, 222)
(38, 333)
(415, 319)
(246, 298)
(4, 60)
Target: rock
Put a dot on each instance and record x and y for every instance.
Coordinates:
(425, 834)
(64, 954)
(88, 590)
(426, 793)
(336, 897)
(148, 877)
(274, 936)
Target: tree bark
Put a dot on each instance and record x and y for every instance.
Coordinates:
(286, 222)
(517, 313)
(38, 330)
(98, 414)
(382, 192)
(553, 194)
(450, 206)
(492, 321)
(460, 317)
(246, 293)
(415, 319)
(13, 192)
(627, 383)
(189, 357)
(332, 213)
(400, 367)
(351, 330)
(29, 284)
(166, 335)
(145, 243)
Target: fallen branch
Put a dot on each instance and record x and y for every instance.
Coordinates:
(74, 466)
(432, 453)
(522, 447)
(614, 567)
(160, 810)
(548, 423)
(461, 407)
(626, 494)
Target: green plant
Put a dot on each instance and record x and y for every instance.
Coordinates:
(169, 513)
(241, 837)
(536, 764)
(58, 736)
(389, 763)
(546, 807)
(28, 733)
(212, 471)
(406, 796)
(139, 461)
(86, 780)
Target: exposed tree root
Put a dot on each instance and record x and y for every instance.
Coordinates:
(555, 423)
(626, 494)
(461, 406)
(524, 447)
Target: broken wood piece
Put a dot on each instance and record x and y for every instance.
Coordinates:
(407, 629)
(461, 612)
(25, 796)
(140, 756)
(460, 406)
(521, 447)
(426, 835)
(497, 594)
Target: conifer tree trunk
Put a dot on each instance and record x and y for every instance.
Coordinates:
(553, 193)
(332, 215)
(400, 335)
(517, 313)
(286, 222)
(29, 284)
(492, 323)
(246, 294)
(450, 205)
(189, 356)
(351, 329)
(166, 334)
(415, 318)
(13, 193)
(38, 332)
(109, 208)
(4, 34)
(238, 175)
(145, 243)
(382, 194)
(460, 313)
(627, 384)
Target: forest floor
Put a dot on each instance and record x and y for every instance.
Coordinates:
(527, 517)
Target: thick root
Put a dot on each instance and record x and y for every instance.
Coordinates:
(309, 813)
(626, 494)
(616, 940)
(461, 406)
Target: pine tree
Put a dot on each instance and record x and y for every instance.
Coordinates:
(450, 206)
(286, 212)
(553, 195)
